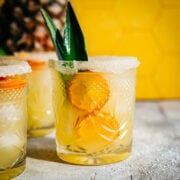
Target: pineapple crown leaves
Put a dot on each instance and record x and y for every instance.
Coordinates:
(72, 45)
(54, 33)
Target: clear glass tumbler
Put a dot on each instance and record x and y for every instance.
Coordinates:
(40, 112)
(13, 117)
(94, 105)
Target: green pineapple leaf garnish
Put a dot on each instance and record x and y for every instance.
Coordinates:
(73, 37)
(55, 34)
(72, 45)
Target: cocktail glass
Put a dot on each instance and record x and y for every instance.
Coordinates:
(40, 112)
(94, 105)
(13, 116)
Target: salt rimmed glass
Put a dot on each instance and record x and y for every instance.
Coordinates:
(13, 116)
(40, 113)
(93, 103)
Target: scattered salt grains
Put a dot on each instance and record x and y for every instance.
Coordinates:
(155, 155)
(153, 158)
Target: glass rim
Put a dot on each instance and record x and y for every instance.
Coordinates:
(110, 64)
(10, 66)
(40, 56)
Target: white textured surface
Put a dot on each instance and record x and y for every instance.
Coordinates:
(155, 156)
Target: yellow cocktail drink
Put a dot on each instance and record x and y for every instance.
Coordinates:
(94, 105)
(40, 113)
(13, 117)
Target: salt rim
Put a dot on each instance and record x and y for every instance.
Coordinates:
(115, 64)
(39, 56)
(11, 67)
(112, 64)
(59, 66)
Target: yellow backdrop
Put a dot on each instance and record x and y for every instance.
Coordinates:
(147, 29)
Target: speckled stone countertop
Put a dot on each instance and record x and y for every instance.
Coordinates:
(155, 155)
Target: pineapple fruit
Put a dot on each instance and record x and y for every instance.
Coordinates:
(22, 27)
(1, 2)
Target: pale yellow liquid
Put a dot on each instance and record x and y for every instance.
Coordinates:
(13, 119)
(101, 140)
(40, 113)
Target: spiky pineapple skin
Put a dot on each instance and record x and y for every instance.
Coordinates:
(22, 27)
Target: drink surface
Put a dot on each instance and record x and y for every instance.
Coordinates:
(94, 106)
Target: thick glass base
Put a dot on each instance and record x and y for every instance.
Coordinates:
(8, 174)
(39, 132)
(93, 159)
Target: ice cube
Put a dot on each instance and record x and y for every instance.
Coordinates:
(10, 111)
(10, 148)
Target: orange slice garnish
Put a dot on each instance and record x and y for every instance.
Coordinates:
(97, 131)
(14, 82)
(88, 91)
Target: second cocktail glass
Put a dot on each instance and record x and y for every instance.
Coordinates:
(40, 112)
(13, 116)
